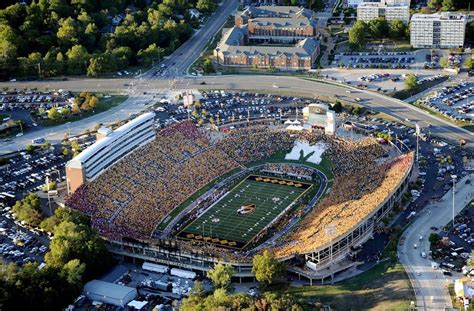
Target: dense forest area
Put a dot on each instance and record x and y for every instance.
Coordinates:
(44, 38)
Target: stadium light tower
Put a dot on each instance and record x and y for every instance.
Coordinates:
(454, 182)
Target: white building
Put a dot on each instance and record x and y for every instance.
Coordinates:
(109, 148)
(440, 30)
(367, 11)
(355, 3)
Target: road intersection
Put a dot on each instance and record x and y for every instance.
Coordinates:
(258, 83)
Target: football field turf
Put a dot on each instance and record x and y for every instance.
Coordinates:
(244, 211)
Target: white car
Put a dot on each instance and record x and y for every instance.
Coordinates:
(19, 134)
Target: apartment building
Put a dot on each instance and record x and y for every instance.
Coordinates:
(110, 147)
(273, 25)
(367, 11)
(443, 30)
(230, 52)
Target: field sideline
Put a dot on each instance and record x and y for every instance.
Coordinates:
(260, 199)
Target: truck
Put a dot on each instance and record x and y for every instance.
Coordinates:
(186, 274)
(148, 266)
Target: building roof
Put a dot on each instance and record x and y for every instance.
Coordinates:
(109, 290)
(439, 16)
(86, 153)
(302, 48)
(277, 11)
(284, 22)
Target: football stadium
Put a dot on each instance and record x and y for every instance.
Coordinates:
(191, 197)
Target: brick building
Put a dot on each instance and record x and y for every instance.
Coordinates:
(270, 24)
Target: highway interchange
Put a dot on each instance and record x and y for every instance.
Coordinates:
(139, 90)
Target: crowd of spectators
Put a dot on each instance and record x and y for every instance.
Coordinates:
(134, 195)
(352, 198)
(137, 193)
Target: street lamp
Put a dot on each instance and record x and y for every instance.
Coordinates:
(454, 181)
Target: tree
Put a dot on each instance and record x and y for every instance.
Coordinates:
(73, 271)
(378, 27)
(75, 146)
(337, 107)
(103, 63)
(151, 52)
(266, 267)
(469, 63)
(434, 238)
(93, 101)
(221, 275)
(471, 260)
(65, 151)
(206, 6)
(443, 62)
(357, 34)
(411, 81)
(207, 66)
(28, 210)
(434, 4)
(397, 29)
(77, 58)
(67, 33)
(52, 185)
(76, 240)
(30, 149)
(447, 5)
(53, 114)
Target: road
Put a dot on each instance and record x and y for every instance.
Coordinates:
(292, 85)
(431, 285)
(184, 56)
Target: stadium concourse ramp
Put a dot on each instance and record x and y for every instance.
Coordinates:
(319, 264)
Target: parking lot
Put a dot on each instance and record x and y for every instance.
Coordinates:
(234, 106)
(20, 104)
(20, 245)
(455, 101)
(377, 60)
(25, 172)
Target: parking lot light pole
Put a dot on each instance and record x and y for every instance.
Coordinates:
(454, 181)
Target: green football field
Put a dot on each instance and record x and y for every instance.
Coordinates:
(244, 211)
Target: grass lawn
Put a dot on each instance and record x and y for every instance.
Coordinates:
(193, 197)
(250, 206)
(384, 287)
(469, 127)
(104, 105)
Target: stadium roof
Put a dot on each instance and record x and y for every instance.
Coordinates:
(109, 293)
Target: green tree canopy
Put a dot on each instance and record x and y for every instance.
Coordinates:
(357, 35)
(397, 29)
(28, 210)
(221, 275)
(447, 5)
(206, 6)
(411, 81)
(266, 267)
(378, 27)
